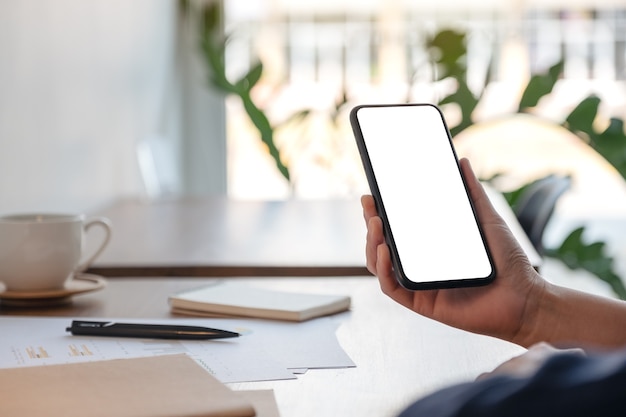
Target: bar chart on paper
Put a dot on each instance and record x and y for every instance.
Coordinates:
(44, 354)
(36, 352)
(64, 349)
(80, 350)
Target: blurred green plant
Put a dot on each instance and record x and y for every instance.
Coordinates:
(448, 52)
(213, 41)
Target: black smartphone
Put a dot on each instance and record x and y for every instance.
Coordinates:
(414, 174)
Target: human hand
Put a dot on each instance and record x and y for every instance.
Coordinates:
(500, 309)
(529, 362)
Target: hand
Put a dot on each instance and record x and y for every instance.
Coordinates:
(529, 362)
(502, 309)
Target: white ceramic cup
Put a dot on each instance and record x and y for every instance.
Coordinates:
(41, 252)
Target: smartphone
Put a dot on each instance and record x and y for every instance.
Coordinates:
(415, 178)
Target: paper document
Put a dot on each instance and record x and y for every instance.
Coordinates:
(266, 350)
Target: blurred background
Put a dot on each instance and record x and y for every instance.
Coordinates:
(108, 98)
(249, 99)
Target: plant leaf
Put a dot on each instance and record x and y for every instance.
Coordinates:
(447, 49)
(466, 101)
(248, 81)
(575, 254)
(264, 127)
(611, 144)
(582, 117)
(539, 86)
(213, 44)
(212, 16)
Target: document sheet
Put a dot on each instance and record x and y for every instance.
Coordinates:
(266, 350)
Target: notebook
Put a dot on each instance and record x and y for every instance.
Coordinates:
(157, 386)
(240, 299)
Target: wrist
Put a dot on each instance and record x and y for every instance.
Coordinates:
(537, 319)
(566, 317)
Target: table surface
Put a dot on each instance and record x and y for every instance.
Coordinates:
(224, 237)
(400, 356)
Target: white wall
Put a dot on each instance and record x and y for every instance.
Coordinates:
(81, 82)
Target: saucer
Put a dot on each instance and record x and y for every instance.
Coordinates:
(78, 285)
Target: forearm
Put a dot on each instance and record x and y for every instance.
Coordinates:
(566, 317)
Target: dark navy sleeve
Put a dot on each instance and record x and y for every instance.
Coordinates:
(567, 385)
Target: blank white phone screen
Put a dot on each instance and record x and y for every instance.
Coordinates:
(429, 213)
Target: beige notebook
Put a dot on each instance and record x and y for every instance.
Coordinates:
(159, 386)
(240, 299)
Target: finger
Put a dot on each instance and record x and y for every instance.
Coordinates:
(484, 209)
(369, 207)
(542, 347)
(384, 270)
(546, 349)
(374, 238)
(389, 285)
(482, 376)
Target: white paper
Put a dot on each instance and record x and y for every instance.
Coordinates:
(266, 350)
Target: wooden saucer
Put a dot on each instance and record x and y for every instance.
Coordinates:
(78, 285)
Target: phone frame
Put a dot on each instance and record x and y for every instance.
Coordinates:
(380, 206)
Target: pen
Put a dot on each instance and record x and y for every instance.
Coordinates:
(158, 331)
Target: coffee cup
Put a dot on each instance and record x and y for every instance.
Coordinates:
(40, 252)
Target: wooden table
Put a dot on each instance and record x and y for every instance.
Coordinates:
(400, 356)
(222, 237)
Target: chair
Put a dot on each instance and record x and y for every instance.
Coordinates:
(536, 204)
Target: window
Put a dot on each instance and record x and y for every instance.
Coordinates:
(374, 53)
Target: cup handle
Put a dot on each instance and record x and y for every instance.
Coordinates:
(89, 223)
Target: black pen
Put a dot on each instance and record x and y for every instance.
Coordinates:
(152, 331)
